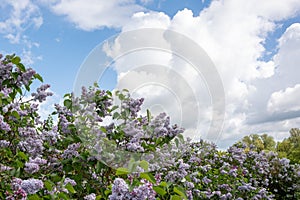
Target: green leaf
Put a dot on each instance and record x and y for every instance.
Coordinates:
(159, 190)
(63, 195)
(27, 88)
(37, 76)
(68, 103)
(116, 115)
(148, 115)
(108, 92)
(70, 188)
(114, 108)
(55, 177)
(19, 90)
(164, 184)
(148, 176)
(22, 155)
(122, 171)
(144, 164)
(33, 197)
(176, 142)
(48, 185)
(121, 97)
(16, 60)
(180, 191)
(21, 67)
(98, 197)
(175, 197)
(15, 114)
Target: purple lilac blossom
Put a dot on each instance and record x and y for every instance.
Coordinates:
(31, 186)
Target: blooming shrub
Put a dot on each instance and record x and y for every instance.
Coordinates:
(99, 149)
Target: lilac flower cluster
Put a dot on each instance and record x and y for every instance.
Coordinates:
(25, 187)
(91, 196)
(32, 186)
(120, 191)
(71, 151)
(161, 127)
(32, 142)
(3, 125)
(5, 71)
(26, 77)
(33, 165)
(133, 105)
(41, 93)
(51, 136)
(18, 191)
(7, 68)
(4, 143)
(69, 181)
(100, 97)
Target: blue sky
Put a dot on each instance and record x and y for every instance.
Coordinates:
(254, 45)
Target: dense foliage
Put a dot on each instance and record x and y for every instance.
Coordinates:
(99, 148)
(288, 148)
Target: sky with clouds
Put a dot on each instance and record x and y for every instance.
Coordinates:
(254, 46)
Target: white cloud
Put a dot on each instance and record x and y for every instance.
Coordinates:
(146, 1)
(95, 14)
(288, 58)
(285, 100)
(147, 20)
(233, 33)
(22, 14)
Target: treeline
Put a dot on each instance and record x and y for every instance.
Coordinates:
(287, 148)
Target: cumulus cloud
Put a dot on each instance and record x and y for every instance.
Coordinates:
(94, 14)
(233, 33)
(285, 100)
(21, 15)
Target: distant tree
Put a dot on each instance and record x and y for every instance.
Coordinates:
(290, 147)
(259, 142)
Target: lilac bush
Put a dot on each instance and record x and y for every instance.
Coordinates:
(99, 149)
